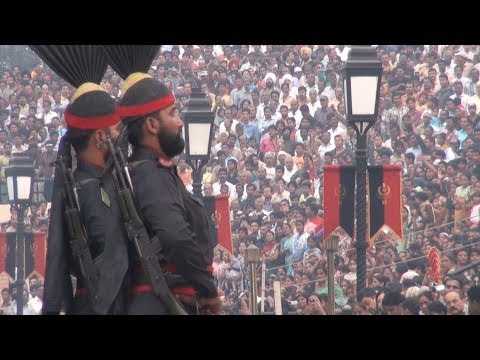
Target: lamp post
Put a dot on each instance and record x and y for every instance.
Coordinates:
(198, 120)
(331, 245)
(362, 80)
(19, 175)
(252, 256)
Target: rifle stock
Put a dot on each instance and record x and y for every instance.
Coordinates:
(78, 235)
(137, 233)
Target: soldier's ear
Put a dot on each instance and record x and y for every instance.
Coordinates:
(152, 124)
(97, 136)
(101, 137)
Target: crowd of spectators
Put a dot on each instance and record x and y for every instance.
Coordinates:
(279, 117)
(32, 298)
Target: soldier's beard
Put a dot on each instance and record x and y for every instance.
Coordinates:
(171, 144)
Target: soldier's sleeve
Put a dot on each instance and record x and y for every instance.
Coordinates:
(58, 291)
(93, 212)
(102, 220)
(159, 202)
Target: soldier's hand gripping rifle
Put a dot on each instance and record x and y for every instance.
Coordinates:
(77, 232)
(138, 234)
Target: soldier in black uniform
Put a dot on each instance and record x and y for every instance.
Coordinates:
(91, 117)
(178, 220)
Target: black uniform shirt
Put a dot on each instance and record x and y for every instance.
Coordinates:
(103, 222)
(177, 219)
(106, 238)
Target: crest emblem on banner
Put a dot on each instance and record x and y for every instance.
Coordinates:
(383, 192)
(216, 217)
(340, 193)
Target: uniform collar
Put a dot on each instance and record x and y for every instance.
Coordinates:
(89, 168)
(88, 162)
(165, 163)
(142, 153)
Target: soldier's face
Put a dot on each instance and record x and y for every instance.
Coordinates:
(170, 132)
(115, 130)
(101, 138)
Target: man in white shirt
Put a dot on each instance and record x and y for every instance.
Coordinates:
(290, 168)
(311, 83)
(35, 303)
(458, 93)
(326, 145)
(47, 114)
(314, 103)
(297, 76)
(295, 113)
(459, 72)
(336, 127)
(222, 179)
(329, 91)
(475, 99)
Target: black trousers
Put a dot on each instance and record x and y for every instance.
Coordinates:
(150, 304)
(146, 304)
(81, 306)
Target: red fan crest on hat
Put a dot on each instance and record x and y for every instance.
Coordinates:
(434, 264)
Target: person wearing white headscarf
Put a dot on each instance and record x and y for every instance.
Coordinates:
(270, 85)
(269, 81)
(271, 76)
(289, 78)
(283, 78)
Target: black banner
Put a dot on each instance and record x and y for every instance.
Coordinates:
(11, 260)
(385, 194)
(339, 198)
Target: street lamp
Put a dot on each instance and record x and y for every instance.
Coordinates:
(362, 80)
(331, 245)
(198, 120)
(252, 256)
(19, 175)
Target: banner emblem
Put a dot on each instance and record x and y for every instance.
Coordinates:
(216, 217)
(340, 193)
(383, 193)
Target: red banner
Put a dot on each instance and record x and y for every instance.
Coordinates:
(393, 207)
(39, 252)
(3, 252)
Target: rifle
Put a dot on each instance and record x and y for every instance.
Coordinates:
(78, 234)
(137, 233)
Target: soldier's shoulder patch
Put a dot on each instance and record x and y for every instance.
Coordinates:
(105, 197)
